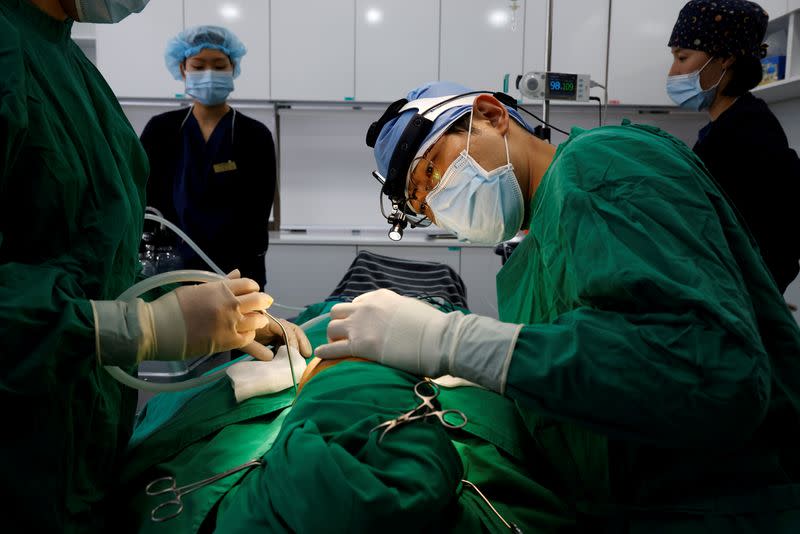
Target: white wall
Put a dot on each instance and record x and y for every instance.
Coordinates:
(326, 166)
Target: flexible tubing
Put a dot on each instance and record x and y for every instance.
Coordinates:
(171, 278)
(186, 275)
(187, 239)
(160, 219)
(142, 287)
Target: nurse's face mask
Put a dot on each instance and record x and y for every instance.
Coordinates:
(476, 205)
(687, 92)
(209, 87)
(107, 11)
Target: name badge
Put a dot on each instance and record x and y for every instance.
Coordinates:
(225, 167)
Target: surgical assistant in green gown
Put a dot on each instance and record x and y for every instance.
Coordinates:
(659, 367)
(72, 176)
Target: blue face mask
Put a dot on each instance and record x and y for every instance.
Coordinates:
(685, 90)
(209, 87)
(478, 206)
(107, 11)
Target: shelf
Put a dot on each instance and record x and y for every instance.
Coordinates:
(779, 91)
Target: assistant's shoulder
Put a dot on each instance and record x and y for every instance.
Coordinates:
(758, 124)
(162, 126)
(252, 126)
(170, 118)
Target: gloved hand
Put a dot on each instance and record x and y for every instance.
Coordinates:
(413, 336)
(188, 322)
(271, 334)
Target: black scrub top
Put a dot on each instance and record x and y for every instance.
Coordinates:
(747, 153)
(219, 192)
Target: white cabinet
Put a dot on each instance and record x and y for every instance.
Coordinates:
(83, 30)
(299, 275)
(313, 49)
(248, 20)
(131, 54)
(397, 47)
(580, 34)
(84, 36)
(449, 256)
(479, 267)
(792, 296)
(479, 46)
(639, 57)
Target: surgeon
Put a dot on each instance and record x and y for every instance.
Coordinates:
(212, 168)
(72, 180)
(650, 351)
(717, 48)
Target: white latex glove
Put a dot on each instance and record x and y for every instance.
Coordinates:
(413, 336)
(188, 322)
(272, 335)
(255, 348)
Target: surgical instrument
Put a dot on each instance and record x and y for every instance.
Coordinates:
(168, 485)
(510, 526)
(426, 391)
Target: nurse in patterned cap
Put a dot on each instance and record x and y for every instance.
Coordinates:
(717, 47)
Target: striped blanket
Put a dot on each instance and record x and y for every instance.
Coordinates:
(420, 279)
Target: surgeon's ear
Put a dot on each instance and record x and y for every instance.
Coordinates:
(183, 69)
(490, 109)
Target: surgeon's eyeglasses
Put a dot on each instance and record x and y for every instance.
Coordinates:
(401, 210)
(424, 176)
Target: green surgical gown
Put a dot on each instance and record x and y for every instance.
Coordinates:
(72, 176)
(659, 367)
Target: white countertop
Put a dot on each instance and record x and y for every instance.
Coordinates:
(411, 238)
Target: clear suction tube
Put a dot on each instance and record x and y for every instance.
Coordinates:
(183, 276)
(159, 219)
(143, 287)
(172, 278)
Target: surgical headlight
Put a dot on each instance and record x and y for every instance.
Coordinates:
(396, 232)
(401, 214)
(407, 148)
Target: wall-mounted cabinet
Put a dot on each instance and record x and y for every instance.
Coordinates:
(580, 34)
(397, 47)
(249, 20)
(376, 50)
(784, 33)
(313, 49)
(130, 54)
(639, 59)
(478, 45)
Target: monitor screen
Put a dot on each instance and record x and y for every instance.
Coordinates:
(562, 86)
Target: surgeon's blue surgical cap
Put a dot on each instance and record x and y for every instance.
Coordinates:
(393, 130)
(191, 41)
